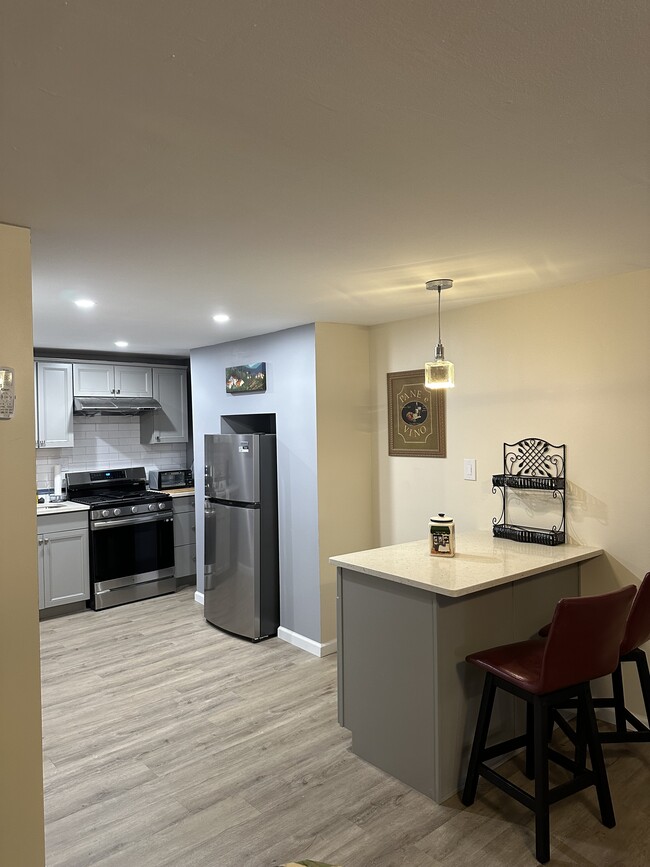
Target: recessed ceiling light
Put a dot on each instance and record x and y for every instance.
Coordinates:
(221, 317)
(84, 302)
(121, 343)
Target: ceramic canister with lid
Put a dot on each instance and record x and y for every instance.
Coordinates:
(442, 536)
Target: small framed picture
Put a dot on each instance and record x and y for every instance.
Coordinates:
(246, 378)
(416, 417)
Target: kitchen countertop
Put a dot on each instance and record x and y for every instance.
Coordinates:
(176, 492)
(481, 562)
(63, 508)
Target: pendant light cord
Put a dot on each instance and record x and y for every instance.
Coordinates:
(439, 291)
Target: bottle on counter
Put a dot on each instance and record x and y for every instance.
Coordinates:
(442, 536)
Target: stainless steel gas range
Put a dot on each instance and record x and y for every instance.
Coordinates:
(131, 535)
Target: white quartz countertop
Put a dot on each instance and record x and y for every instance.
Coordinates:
(60, 508)
(481, 562)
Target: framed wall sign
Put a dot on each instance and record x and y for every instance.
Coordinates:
(416, 417)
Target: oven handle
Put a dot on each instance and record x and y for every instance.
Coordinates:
(126, 522)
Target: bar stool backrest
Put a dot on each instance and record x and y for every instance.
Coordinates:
(637, 631)
(585, 638)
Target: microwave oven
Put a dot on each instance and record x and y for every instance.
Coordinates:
(165, 480)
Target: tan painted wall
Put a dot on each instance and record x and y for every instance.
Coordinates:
(569, 365)
(21, 779)
(344, 435)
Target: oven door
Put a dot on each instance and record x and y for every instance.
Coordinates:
(127, 551)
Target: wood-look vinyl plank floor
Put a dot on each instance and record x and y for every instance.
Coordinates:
(170, 744)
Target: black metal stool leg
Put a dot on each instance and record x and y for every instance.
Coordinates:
(644, 678)
(619, 700)
(529, 770)
(480, 737)
(542, 826)
(597, 760)
(580, 756)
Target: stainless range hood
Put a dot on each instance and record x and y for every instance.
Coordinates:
(114, 405)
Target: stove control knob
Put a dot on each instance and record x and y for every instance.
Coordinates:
(152, 507)
(117, 512)
(105, 513)
(161, 505)
(134, 509)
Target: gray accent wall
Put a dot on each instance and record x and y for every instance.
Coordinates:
(290, 395)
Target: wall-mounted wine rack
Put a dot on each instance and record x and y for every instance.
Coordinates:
(531, 464)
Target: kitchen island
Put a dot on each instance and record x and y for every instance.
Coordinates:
(405, 623)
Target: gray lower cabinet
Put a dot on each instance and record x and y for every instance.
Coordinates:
(184, 538)
(63, 572)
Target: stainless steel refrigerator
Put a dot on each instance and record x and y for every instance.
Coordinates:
(241, 593)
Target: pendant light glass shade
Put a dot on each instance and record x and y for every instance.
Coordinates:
(439, 373)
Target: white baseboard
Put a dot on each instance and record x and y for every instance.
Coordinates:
(308, 644)
(301, 641)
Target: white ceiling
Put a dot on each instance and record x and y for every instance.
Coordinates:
(290, 161)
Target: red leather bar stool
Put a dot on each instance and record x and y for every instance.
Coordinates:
(583, 644)
(637, 632)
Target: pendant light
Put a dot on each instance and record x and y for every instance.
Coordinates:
(439, 373)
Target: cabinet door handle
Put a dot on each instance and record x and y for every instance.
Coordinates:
(193, 527)
(118, 391)
(40, 541)
(46, 541)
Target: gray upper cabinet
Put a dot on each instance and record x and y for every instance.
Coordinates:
(170, 424)
(54, 425)
(133, 381)
(106, 380)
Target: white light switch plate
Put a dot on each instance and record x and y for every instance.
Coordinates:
(469, 469)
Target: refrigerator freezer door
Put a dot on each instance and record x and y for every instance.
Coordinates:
(232, 467)
(232, 568)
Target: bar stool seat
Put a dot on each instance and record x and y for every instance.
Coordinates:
(583, 644)
(519, 664)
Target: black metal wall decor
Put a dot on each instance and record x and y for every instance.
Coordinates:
(531, 464)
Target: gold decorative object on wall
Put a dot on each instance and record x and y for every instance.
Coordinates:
(416, 417)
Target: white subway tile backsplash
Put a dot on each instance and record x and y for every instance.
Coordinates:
(109, 442)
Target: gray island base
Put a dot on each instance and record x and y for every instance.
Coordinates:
(406, 622)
